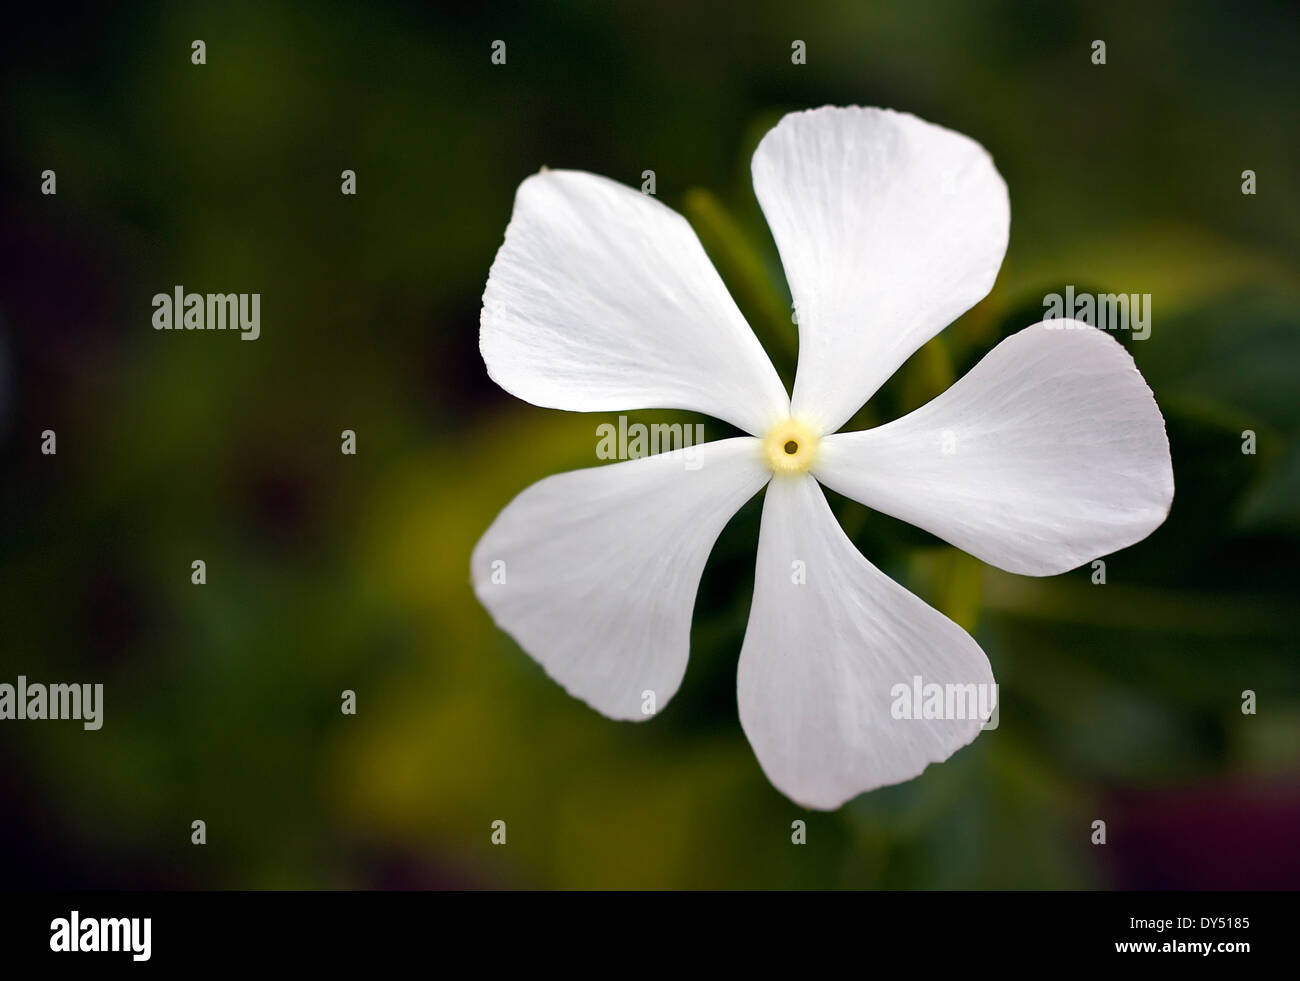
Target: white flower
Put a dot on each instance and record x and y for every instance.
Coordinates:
(1048, 453)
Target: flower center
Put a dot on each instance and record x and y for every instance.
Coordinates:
(790, 447)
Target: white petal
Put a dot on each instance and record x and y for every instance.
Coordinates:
(602, 299)
(822, 658)
(1048, 453)
(595, 572)
(889, 228)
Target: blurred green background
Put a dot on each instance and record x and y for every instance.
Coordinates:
(327, 572)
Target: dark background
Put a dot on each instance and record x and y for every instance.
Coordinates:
(327, 572)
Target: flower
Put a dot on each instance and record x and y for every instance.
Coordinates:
(1048, 453)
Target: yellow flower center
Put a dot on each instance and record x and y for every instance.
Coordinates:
(790, 447)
